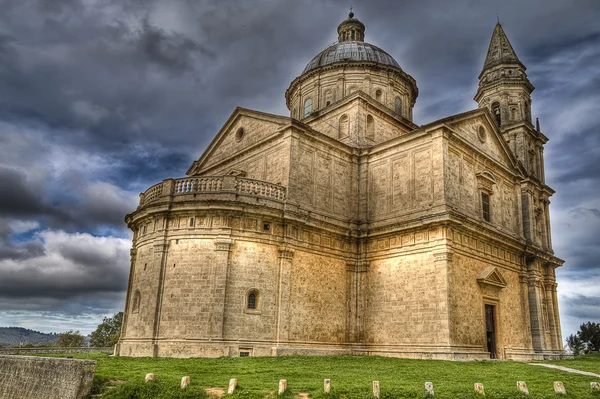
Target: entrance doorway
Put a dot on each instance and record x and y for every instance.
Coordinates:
(490, 330)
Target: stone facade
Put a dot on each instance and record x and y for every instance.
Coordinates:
(346, 228)
(29, 377)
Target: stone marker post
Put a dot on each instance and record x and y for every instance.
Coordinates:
(559, 387)
(521, 386)
(479, 388)
(232, 386)
(149, 377)
(595, 386)
(282, 386)
(185, 381)
(376, 389)
(429, 389)
(327, 385)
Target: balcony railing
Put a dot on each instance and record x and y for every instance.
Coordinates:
(213, 184)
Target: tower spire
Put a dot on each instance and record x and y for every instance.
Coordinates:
(500, 50)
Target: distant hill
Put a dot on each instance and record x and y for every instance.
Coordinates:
(14, 336)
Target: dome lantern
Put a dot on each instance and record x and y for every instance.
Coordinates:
(351, 29)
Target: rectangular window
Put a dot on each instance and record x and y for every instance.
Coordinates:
(192, 221)
(485, 206)
(244, 354)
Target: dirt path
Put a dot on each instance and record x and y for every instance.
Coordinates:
(568, 370)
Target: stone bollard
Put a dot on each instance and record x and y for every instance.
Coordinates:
(149, 377)
(559, 387)
(282, 386)
(479, 389)
(429, 389)
(232, 386)
(521, 386)
(185, 381)
(595, 386)
(327, 385)
(376, 390)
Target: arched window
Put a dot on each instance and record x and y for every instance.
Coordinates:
(307, 107)
(135, 306)
(343, 127)
(496, 112)
(398, 105)
(252, 300)
(378, 95)
(370, 127)
(514, 114)
(527, 110)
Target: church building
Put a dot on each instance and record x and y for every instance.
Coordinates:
(346, 228)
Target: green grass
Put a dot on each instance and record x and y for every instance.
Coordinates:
(589, 363)
(351, 376)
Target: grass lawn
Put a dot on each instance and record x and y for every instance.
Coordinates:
(351, 376)
(589, 363)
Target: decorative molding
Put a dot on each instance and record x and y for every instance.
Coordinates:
(445, 256)
(223, 244)
(491, 277)
(161, 247)
(360, 266)
(286, 253)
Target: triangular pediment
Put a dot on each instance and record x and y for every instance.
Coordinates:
(242, 130)
(491, 276)
(478, 130)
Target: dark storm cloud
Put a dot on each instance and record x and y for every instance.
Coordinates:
(17, 197)
(101, 99)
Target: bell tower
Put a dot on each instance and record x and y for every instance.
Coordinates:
(503, 84)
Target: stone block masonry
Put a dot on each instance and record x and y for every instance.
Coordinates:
(23, 377)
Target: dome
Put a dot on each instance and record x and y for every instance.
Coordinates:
(351, 51)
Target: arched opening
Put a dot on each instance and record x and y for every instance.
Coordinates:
(307, 107)
(252, 300)
(527, 110)
(135, 306)
(370, 128)
(496, 112)
(398, 106)
(343, 127)
(378, 95)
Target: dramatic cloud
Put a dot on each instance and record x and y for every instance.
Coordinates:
(101, 99)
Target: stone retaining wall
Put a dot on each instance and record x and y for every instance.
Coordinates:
(28, 377)
(32, 351)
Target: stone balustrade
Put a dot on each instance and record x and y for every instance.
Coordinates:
(213, 184)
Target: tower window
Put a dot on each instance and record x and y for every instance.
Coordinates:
(398, 105)
(485, 206)
(352, 35)
(378, 95)
(307, 107)
(496, 112)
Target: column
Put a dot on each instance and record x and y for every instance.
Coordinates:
(133, 256)
(549, 286)
(548, 228)
(283, 309)
(523, 281)
(161, 249)
(221, 267)
(557, 317)
(536, 306)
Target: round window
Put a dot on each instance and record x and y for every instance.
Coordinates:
(481, 134)
(239, 134)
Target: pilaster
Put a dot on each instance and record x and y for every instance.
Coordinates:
(286, 256)
(536, 307)
(219, 291)
(161, 250)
